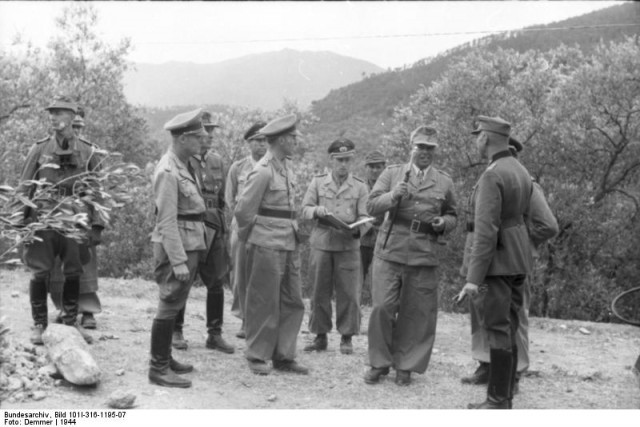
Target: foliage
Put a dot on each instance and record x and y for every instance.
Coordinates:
(579, 118)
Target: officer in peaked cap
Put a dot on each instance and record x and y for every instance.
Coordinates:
(179, 240)
(422, 206)
(236, 180)
(213, 269)
(542, 226)
(374, 164)
(334, 259)
(267, 224)
(73, 156)
(498, 257)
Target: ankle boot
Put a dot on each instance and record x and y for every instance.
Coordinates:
(160, 372)
(38, 298)
(498, 391)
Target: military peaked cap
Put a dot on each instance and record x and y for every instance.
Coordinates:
(207, 120)
(342, 147)
(492, 124)
(189, 123)
(63, 103)
(280, 126)
(253, 130)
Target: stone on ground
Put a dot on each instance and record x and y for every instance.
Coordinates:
(121, 399)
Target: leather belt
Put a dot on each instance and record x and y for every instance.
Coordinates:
(417, 226)
(277, 213)
(191, 217)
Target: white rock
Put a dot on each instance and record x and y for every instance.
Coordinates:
(48, 370)
(272, 398)
(70, 354)
(15, 294)
(39, 395)
(120, 372)
(15, 383)
(584, 331)
(121, 399)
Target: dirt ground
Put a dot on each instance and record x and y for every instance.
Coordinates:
(569, 369)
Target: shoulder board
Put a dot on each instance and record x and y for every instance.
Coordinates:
(88, 142)
(395, 166)
(320, 175)
(358, 179)
(491, 166)
(45, 139)
(443, 173)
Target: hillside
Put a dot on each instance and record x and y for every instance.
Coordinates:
(371, 101)
(257, 81)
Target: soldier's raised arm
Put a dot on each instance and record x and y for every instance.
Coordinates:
(381, 197)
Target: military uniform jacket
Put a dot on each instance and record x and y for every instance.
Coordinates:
(210, 173)
(176, 193)
(347, 203)
(236, 180)
(500, 201)
(427, 199)
(541, 222)
(269, 186)
(368, 239)
(79, 157)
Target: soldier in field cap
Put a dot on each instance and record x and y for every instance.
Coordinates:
(267, 225)
(334, 258)
(542, 226)
(179, 241)
(236, 180)
(498, 257)
(73, 157)
(422, 208)
(374, 164)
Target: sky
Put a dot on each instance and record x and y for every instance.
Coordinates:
(208, 32)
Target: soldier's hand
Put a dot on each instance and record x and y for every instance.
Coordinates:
(438, 224)
(401, 190)
(321, 212)
(470, 289)
(181, 272)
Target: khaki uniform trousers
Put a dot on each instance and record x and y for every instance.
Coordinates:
(402, 327)
(342, 270)
(274, 307)
(173, 293)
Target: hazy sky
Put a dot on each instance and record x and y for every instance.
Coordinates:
(212, 32)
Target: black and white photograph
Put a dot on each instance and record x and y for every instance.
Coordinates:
(325, 206)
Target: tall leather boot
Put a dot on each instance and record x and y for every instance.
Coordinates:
(513, 389)
(178, 341)
(160, 372)
(38, 298)
(70, 298)
(499, 389)
(215, 313)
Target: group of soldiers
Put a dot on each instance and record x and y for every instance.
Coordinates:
(393, 224)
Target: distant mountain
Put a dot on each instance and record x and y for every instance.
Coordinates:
(370, 103)
(260, 80)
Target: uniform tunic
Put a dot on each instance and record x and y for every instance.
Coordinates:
(499, 255)
(402, 325)
(176, 241)
(78, 157)
(542, 226)
(274, 307)
(334, 256)
(236, 179)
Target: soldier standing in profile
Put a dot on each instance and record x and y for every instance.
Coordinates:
(267, 225)
(71, 156)
(334, 259)
(213, 270)
(374, 164)
(88, 301)
(179, 241)
(542, 226)
(402, 326)
(498, 257)
(236, 179)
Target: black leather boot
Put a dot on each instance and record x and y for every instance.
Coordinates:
(160, 372)
(319, 344)
(70, 298)
(215, 314)
(513, 389)
(178, 342)
(480, 376)
(499, 389)
(38, 298)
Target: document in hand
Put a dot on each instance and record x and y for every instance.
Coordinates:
(338, 223)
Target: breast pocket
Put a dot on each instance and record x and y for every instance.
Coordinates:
(188, 193)
(326, 198)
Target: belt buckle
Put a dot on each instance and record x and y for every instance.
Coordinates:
(415, 225)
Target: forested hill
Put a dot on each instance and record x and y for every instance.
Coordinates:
(371, 101)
